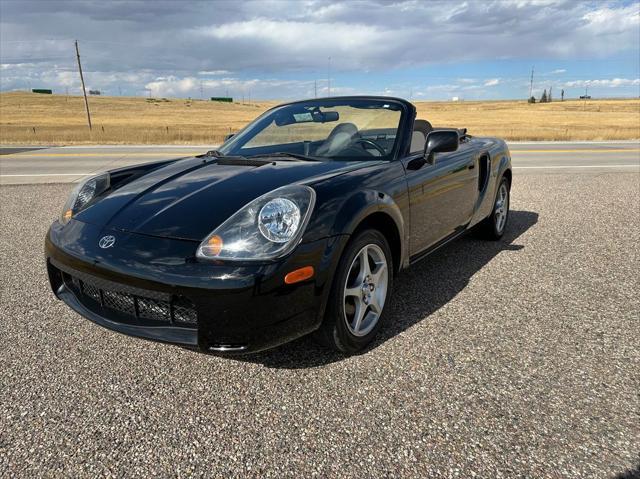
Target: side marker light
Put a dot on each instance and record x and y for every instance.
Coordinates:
(299, 275)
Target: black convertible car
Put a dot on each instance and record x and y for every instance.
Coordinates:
(297, 224)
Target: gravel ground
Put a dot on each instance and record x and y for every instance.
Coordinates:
(512, 359)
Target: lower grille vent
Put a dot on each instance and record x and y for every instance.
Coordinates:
(154, 308)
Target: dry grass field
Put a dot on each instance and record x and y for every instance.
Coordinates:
(519, 120)
(29, 118)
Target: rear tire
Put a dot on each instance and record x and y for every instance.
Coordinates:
(494, 225)
(359, 293)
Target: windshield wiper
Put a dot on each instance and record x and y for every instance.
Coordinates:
(214, 153)
(282, 154)
(223, 159)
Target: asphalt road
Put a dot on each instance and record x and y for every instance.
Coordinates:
(517, 358)
(70, 164)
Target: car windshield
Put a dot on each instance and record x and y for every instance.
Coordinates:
(336, 129)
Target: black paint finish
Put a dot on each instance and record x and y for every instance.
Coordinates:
(160, 212)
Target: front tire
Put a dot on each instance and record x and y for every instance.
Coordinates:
(494, 225)
(360, 290)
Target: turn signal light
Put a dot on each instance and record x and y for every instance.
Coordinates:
(214, 245)
(299, 275)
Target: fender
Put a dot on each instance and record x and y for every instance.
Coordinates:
(500, 162)
(504, 166)
(504, 158)
(356, 209)
(362, 205)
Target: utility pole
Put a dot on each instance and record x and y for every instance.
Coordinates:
(586, 93)
(201, 90)
(84, 91)
(531, 84)
(329, 77)
(315, 88)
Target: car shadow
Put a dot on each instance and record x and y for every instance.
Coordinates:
(453, 265)
(631, 473)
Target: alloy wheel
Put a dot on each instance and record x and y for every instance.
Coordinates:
(365, 290)
(501, 209)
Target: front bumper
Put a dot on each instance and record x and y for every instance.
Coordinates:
(153, 288)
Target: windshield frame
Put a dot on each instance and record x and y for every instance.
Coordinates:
(399, 143)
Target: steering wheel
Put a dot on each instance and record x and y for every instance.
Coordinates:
(373, 144)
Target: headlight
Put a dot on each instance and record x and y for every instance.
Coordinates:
(82, 195)
(267, 228)
(279, 219)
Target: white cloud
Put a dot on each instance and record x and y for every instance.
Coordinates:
(171, 46)
(307, 43)
(213, 72)
(599, 32)
(172, 86)
(610, 83)
(609, 20)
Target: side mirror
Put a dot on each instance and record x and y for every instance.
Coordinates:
(230, 135)
(440, 141)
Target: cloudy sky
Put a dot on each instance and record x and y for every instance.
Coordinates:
(473, 49)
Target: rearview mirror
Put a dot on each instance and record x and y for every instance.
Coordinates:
(306, 116)
(440, 141)
(325, 117)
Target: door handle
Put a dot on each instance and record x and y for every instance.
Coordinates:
(471, 166)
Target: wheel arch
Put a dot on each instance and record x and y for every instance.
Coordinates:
(508, 175)
(376, 210)
(384, 223)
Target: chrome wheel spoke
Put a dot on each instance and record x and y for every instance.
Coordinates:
(375, 304)
(501, 207)
(364, 264)
(358, 316)
(354, 292)
(379, 273)
(366, 289)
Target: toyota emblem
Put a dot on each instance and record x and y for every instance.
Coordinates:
(107, 241)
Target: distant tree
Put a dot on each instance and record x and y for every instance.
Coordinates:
(543, 98)
(562, 95)
(549, 97)
(532, 99)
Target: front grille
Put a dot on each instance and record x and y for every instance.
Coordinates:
(154, 309)
(132, 305)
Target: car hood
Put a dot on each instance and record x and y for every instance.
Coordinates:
(189, 198)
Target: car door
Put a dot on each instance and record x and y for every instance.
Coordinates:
(442, 196)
